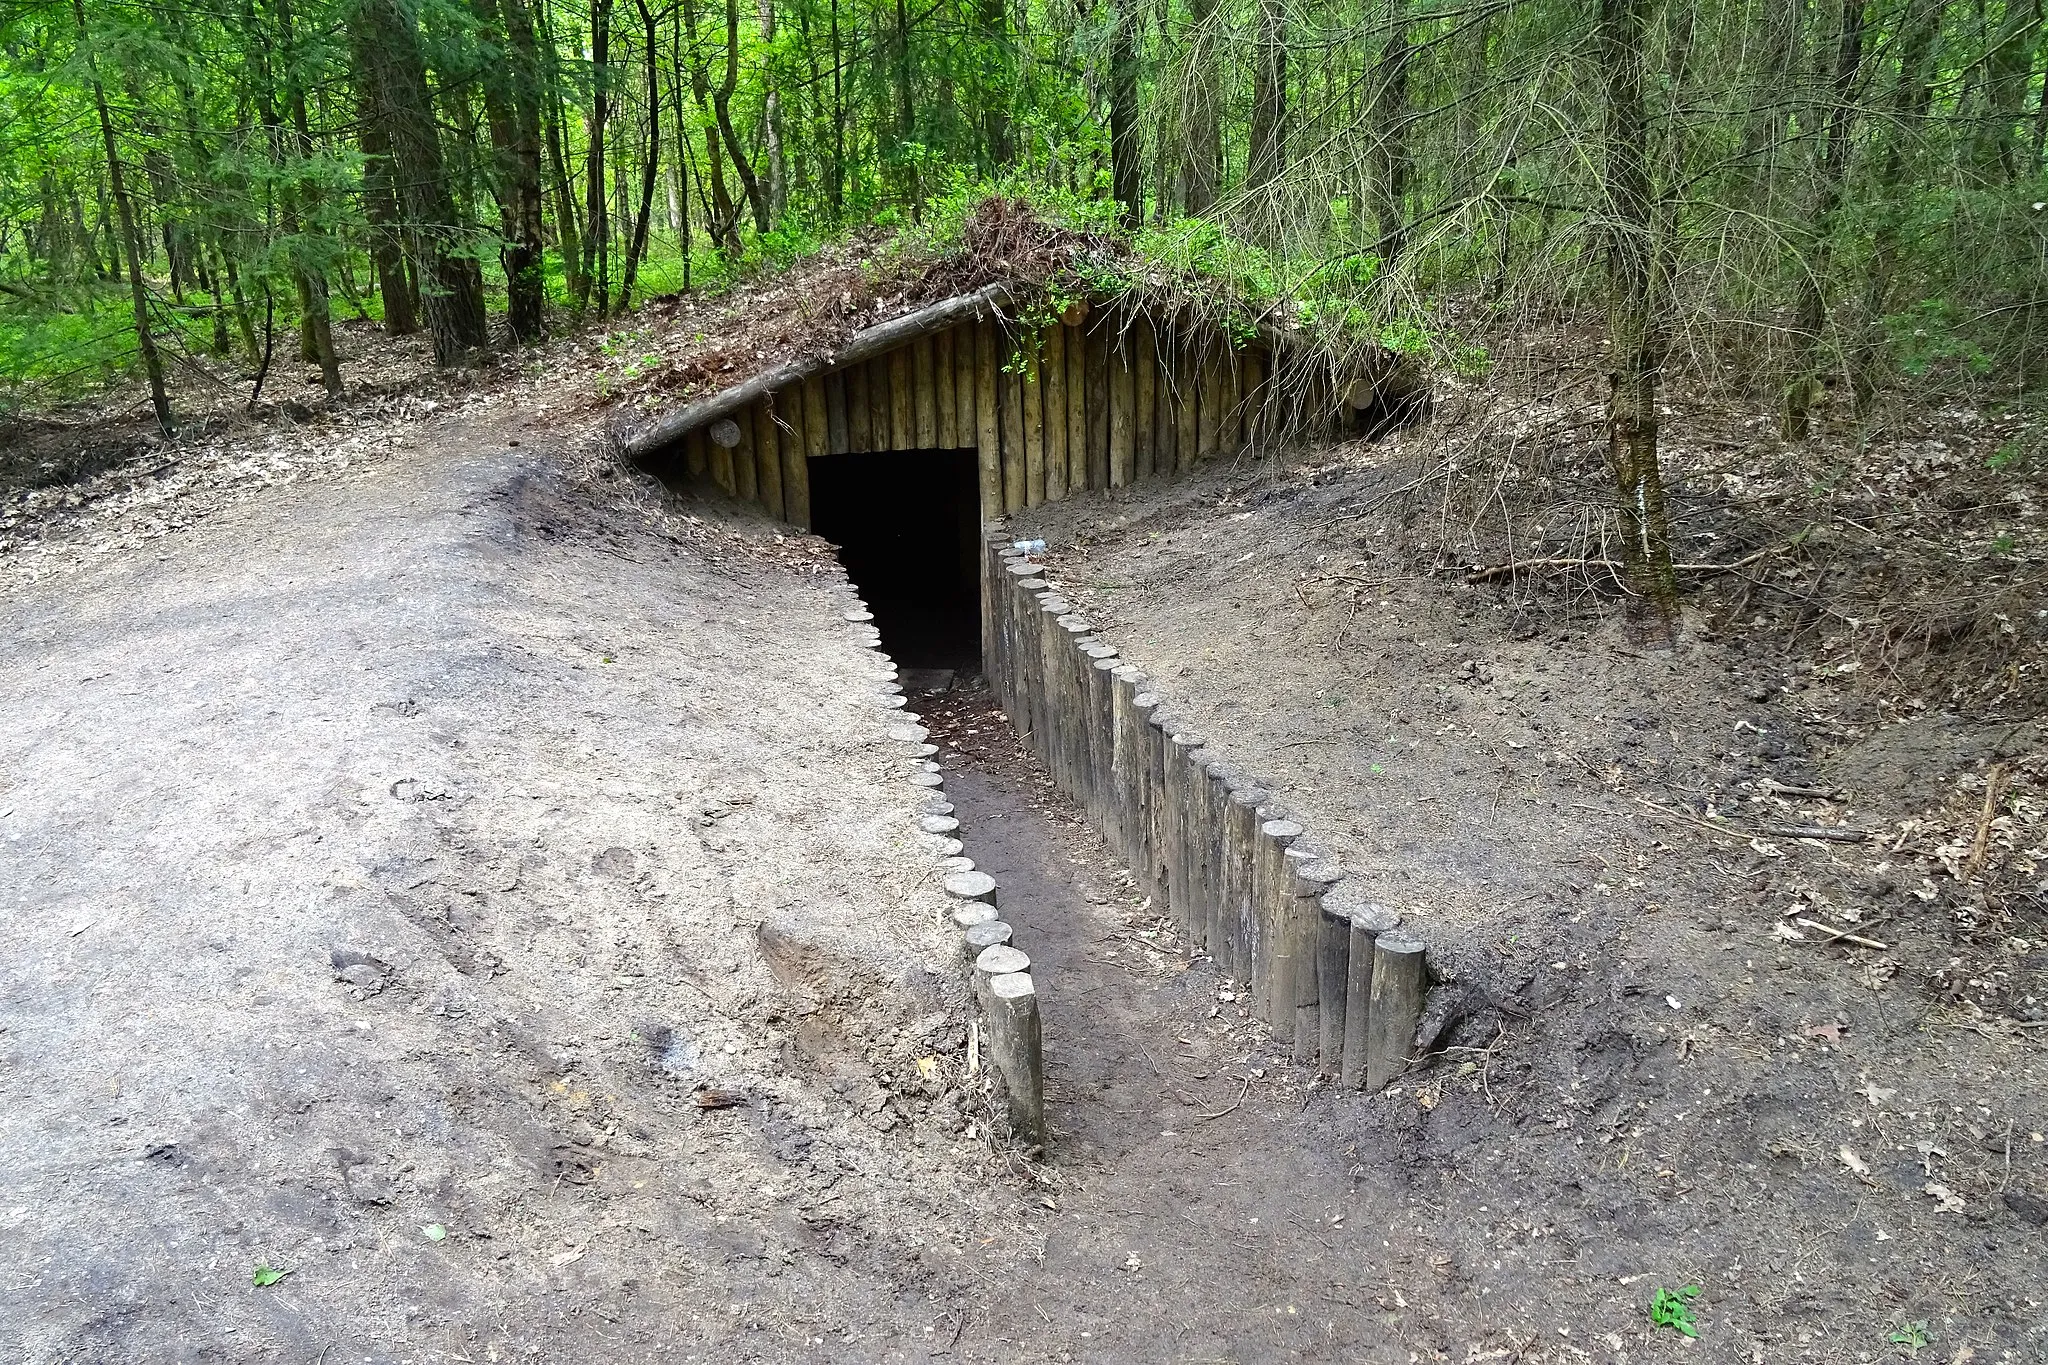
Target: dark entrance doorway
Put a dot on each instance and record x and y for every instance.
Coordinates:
(907, 524)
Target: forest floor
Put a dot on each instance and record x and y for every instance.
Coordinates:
(391, 811)
(1661, 1064)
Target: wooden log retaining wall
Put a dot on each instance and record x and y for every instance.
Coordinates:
(1096, 405)
(1331, 973)
(1007, 1033)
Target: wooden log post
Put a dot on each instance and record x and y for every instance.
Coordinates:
(1012, 400)
(1126, 786)
(1185, 777)
(1096, 400)
(696, 454)
(1188, 373)
(1400, 980)
(1273, 960)
(721, 457)
(1255, 433)
(859, 437)
(976, 939)
(882, 403)
(1030, 391)
(1017, 1045)
(836, 438)
(1209, 390)
(1241, 834)
(1214, 820)
(1075, 349)
(947, 436)
(1312, 881)
(1122, 401)
(1232, 443)
(988, 441)
(924, 394)
(767, 455)
(746, 467)
(1366, 923)
(1145, 400)
(1103, 663)
(796, 469)
(1165, 413)
(902, 399)
(1151, 870)
(1053, 383)
(964, 384)
(816, 445)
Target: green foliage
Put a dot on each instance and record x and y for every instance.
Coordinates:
(1673, 1308)
(266, 1276)
(1913, 1336)
(1933, 334)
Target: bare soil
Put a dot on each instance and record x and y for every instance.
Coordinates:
(412, 823)
(1649, 1068)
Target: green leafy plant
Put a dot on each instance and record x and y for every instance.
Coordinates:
(1673, 1308)
(267, 1276)
(1912, 1336)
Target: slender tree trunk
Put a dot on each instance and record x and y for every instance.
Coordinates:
(380, 208)
(138, 294)
(311, 279)
(1912, 96)
(721, 103)
(1996, 152)
(1831, 167)
(1126, 142)
(1201, 171)
(1633, 322)
(836, 187)
(650, 167)
(771, 117)
(596, 206)
(1266, 155)
(524, 253)
(1388, 115)
(723, 214)
(568, 237)
(388, 53)
(992, 29)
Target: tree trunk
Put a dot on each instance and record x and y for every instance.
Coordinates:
(138, 295)
(721, 103)
(515, 88)
(650, 168)
(1201, 172)
(596, 207)
(771, 117)
(568, 238)
(311, 279)
(992, 27)
(723, 214)
(1912, 97)
(380, 208)
(1633, 321)
(1266, 154)
(1997, 151)
(388, 54)
(1126, 143)
(1831, 166)
(1388, 119)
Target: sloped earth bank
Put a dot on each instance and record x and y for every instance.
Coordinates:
(395, 863)
(1648, 1072)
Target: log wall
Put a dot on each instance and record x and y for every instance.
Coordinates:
(1329, 972)
(1101, 404)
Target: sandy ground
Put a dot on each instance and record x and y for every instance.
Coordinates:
(393, 856)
